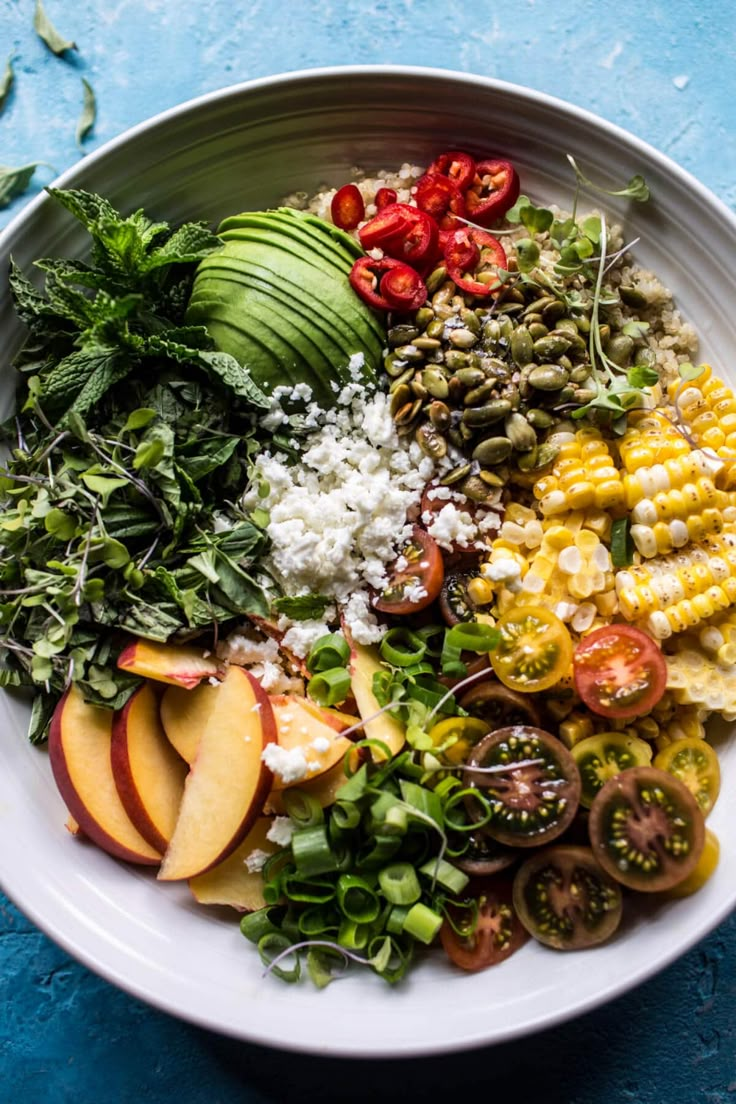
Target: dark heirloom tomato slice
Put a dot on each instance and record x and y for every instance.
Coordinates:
(565, 900)
(347, 208)
(604, 756)
(619, 671)
(484, 855)
(417, 576)
(455, 602)
(496, 190)
(494, 936)
(696, 764)
(457, 166)
(646, 829)
(535, 649)
(499, 706)
(533, 790)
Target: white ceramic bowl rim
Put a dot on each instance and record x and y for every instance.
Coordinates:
(39, 907)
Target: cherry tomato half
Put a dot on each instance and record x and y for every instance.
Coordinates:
(706, 866)
(495, 934)
(535, 649)
(347, 207)
(619, 671)
(417, 576)
(646, 829)
(696, 764)
(604, 756)
(565, 900)
(457, 166)
(495, 191)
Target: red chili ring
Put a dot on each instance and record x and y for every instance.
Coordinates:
(407, 291)
(457, 166)
(438, 196)
(404, 288)
(487, 209)
(347, 207)
(385, 197)
(459, 254)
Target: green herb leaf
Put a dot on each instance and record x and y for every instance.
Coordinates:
(688, 371)
(527, 254)
(536, 219)
(48, 34)
(514, 213)
(89, 113)
(641, 375)
(14, 182)
(636, 188)
(307, 607)
(6, 81)
(635, 328)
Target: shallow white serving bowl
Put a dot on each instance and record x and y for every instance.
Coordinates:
(244, 148)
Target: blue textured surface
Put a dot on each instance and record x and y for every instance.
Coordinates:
(663, 70)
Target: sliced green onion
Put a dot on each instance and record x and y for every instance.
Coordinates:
(446, 785)
(388, 816)
(473, 636)
(304, 810)
(401, 647)
(400, 884)
(345, 814)
(390, 963)
(318, 920)
(418, 669)
(254, 925)
(451, 658)
(313, 891)
(352, 935)
(432, 637)
(357, 899)
(330, 650)
(378, 850)
(355, 787)
(312, 852)
(445, 874)
(271, 947)
(466, 824)
(329, 687)
(422, 922)
(395, 919)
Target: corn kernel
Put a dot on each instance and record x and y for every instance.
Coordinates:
(480, 591)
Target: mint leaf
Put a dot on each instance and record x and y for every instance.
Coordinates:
(6, 81)
(89, 112)
(306, 607)
(48, 33)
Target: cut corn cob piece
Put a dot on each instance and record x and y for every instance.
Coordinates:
(697, 680)
(676, 592)
(583, 476)
(707, 408)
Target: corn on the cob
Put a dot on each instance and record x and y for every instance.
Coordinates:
(697, 680)
(673, 593)
(707, 407)
(583, 476)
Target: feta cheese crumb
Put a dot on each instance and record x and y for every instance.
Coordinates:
(321, 744)
(452, 527)
(281, 831)
(256, 860)
(290, 765)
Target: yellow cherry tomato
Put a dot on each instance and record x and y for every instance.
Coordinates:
(695, 763)
(535, 649)
(707, 863)
(460, 734)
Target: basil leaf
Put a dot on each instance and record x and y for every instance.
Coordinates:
(307, 607)
(6, 81)
(89, 113)
(48, 33)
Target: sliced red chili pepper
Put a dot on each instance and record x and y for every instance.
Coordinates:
(390, 222)
(459, 167)
(467, 251)
(404, 288)
(347, 208)
(438, 196)
(405, 291)
(496, 190)
(384, 197)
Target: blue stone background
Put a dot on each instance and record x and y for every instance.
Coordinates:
(663, 69)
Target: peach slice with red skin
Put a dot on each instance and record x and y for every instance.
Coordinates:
(149, 775)
(231, 882)
(301, 723)
(177, 665)
(228, 783)
(184, 715)
(79, 752)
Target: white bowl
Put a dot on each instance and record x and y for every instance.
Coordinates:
(245, 147)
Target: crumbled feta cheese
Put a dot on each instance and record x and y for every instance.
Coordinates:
(301, 635)
(290, 765)
(414, 592)
(451, 527)
(256, 860)
(281, 831)
(321, 744)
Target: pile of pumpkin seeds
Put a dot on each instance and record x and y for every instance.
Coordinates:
(489, 383)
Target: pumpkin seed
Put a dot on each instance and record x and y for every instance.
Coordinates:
(479, 416)
(540, 419)
(436, 279)
(402, 334)
(455, 475)
(519, 432)
(430, 441)
(478, 395)
(400, 397)
(522, 346)
(427, 344)
(476, 489)
(548, 377)
(462, 338)
(632, 296)
(527, 460)
(410, 353)
(552, 313)
(420, 391)
(406, 377)
(471, 377)
(394, 364)
(436, 383)
(423, 318)
(408, 412)
(436, 328)
(551, 346)
(454, 359)
(537, 330)
(645, 356)
(471, 321)
(619, 349)
(546, 453)
(579, 373)
(492, 478)
(440, 415)
(492, 451)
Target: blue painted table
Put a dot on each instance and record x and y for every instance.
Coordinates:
(664, 70)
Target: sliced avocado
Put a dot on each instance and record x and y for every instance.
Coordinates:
(312, 231)
(338, 325)
(270, 362)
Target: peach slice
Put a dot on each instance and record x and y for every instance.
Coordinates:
(178, 665)
(301, 723)
(79, 751)
(184, 715)
(364, 663)
(148, 773)
(231, 882)
(228, 783)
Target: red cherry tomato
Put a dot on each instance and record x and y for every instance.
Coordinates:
(619, 671)
(347, 208)
(495, 191)
(497, 932)
(457, 166)
(469, 251)
(384, 197)
(367, 279)
(416, 579)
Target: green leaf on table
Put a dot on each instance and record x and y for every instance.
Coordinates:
(88, 114)
(48, 33)
(15, 181)
(6, 81)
